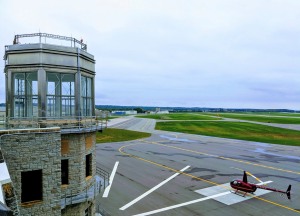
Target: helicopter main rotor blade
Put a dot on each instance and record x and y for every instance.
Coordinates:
(248, 173)
(255, 177)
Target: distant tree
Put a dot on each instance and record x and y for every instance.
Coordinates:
(139, 110)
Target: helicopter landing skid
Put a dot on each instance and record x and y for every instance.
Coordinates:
(240, 193)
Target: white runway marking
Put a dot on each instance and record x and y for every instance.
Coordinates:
(111, 178)
(182, 204)
(151, 190)
(210, 190)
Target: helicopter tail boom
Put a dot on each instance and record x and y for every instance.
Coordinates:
(287, 192)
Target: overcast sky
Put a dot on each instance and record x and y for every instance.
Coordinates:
(206, 53)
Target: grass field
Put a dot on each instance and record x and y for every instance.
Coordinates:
(235, 130)
(273, 114)
(119, 135)
(289, 119)
(179, 116)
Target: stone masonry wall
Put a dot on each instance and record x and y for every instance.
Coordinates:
(75, 147)
(76, 152)
(32, 151)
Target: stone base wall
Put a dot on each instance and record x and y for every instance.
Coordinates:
(30, 151)
(75, 147)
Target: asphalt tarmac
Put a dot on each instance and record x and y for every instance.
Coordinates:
(148, 180)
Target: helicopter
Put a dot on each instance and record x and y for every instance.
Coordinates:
(247, 187)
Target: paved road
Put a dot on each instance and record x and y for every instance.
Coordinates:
(144, 164)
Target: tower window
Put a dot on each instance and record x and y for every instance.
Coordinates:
(25, 94)
(86, 96)
(88, 165)
(60, 94)
(31, 186)
(65, 171)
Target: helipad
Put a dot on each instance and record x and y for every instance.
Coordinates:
(229, 198)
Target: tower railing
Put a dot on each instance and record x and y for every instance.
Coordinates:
(104, 175)
(89, 193)
(73, 41)
(66, 123)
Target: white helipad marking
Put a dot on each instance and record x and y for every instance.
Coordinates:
(230, 198)
(211, 190)
(182, 204)
(152, 189)
(111, 178)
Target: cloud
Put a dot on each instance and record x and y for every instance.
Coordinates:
(192, 53)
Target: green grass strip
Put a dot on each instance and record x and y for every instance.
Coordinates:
(119, 135)
(257, 118)
(235, 130)
(274, 114)
(178, 116)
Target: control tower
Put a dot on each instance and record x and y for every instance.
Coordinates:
(48, 144)
(46, 80)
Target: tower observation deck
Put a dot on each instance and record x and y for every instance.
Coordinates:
(47, 81)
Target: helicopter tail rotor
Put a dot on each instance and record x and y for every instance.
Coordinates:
(288, 192)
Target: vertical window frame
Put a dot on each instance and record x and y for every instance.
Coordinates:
(25, 94)
(86, 95)
(61, 101)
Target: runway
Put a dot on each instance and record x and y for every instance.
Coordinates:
(144, 164)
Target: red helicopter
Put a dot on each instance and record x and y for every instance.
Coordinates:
(245, 186)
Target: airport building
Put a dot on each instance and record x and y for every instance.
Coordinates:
(125, 112)
(49, 135)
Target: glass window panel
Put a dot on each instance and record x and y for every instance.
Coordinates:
(25, 94)
(19, 84)
(35, 108)
(53, 84)
(32, 84)
(53, 94)
(68, 106)
(19, 106)
(89, 87)
(83, 86)
(31, 89)
(68, 84)
(89, 107)
(86, 96)
(53, 106)
(51, 88)
(60, 94)
(84, 106)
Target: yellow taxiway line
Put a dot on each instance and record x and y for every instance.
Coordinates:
(224, 158)
(201, 179)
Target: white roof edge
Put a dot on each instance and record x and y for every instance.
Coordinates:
(4, 179)
(4, 174)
